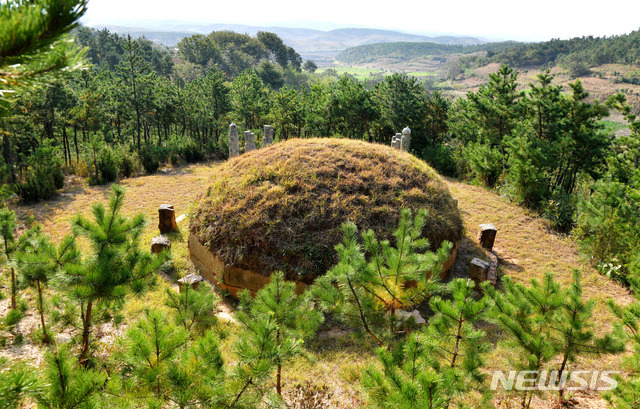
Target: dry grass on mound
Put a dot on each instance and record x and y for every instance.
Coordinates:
(281, 208)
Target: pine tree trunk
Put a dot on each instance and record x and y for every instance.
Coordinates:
(86, 330)
(45, 336)
(279, 373)
(14, 305)
(8, 158)
(279, 380)
(75, 141)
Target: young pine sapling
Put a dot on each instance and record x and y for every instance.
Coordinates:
(432, 368)
(373, 280)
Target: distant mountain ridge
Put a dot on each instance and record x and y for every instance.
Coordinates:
(310, 43)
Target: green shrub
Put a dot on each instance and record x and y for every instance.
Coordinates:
(484, 161)
(108, 166)
(129, 162)
(150, 158)
(608, 226)
(561, 210)
(442, 158)
(44, 176)
(186, 148)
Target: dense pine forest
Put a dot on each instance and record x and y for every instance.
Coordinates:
(83, 104)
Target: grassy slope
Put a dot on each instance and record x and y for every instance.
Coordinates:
(526, 248)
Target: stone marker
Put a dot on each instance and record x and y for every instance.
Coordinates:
(492, 274)
(234, 143)
(249, 141)
(190, 280)
(478, 271)
(405, 139)
(487, 235)
(160, 243)
(397, 141)
(267, 140)
(167, 219)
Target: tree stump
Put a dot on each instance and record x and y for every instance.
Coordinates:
(160, 243)
(487, 236)
(167, 217)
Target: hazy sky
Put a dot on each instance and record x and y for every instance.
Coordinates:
(505, 19)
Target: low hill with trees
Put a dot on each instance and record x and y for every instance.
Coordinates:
(576, 54)
(406, 51)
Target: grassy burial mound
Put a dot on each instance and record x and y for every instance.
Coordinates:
(281, 208)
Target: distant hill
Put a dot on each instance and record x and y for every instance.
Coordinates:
(309, 43)
(588, 51)
(406, 51)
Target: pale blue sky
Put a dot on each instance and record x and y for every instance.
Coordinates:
(506, 19)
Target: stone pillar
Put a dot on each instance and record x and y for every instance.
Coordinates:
(160, 243)
(396, 141)
(487, 235)
(406, 139)
(167, 219)
(249, 141)
(478, 271)
(267, 140)
(234, 143)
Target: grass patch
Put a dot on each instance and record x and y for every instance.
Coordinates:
(613, 126)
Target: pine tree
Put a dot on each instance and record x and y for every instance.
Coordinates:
(193, 309)
(68, 385)
(34, 47)
(7, 229)
(115, 267)
(197, 376)
(257, 353)
(38, 263)
(433, 368)
(151, 345)
(16, 382)
(549, 322)
(573, 329)
(276, 323)
(376, 281)
(627, 392)
(525, 314)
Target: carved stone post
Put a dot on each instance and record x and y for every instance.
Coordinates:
(406, 139)
(267, 140)
(478, 271)
(160, 243)
(167, 219)
(234, 143)
(249, 141)
(397, 141)
(191, 280)
(487, 235)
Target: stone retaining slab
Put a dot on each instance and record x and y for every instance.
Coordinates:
(234, 279)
